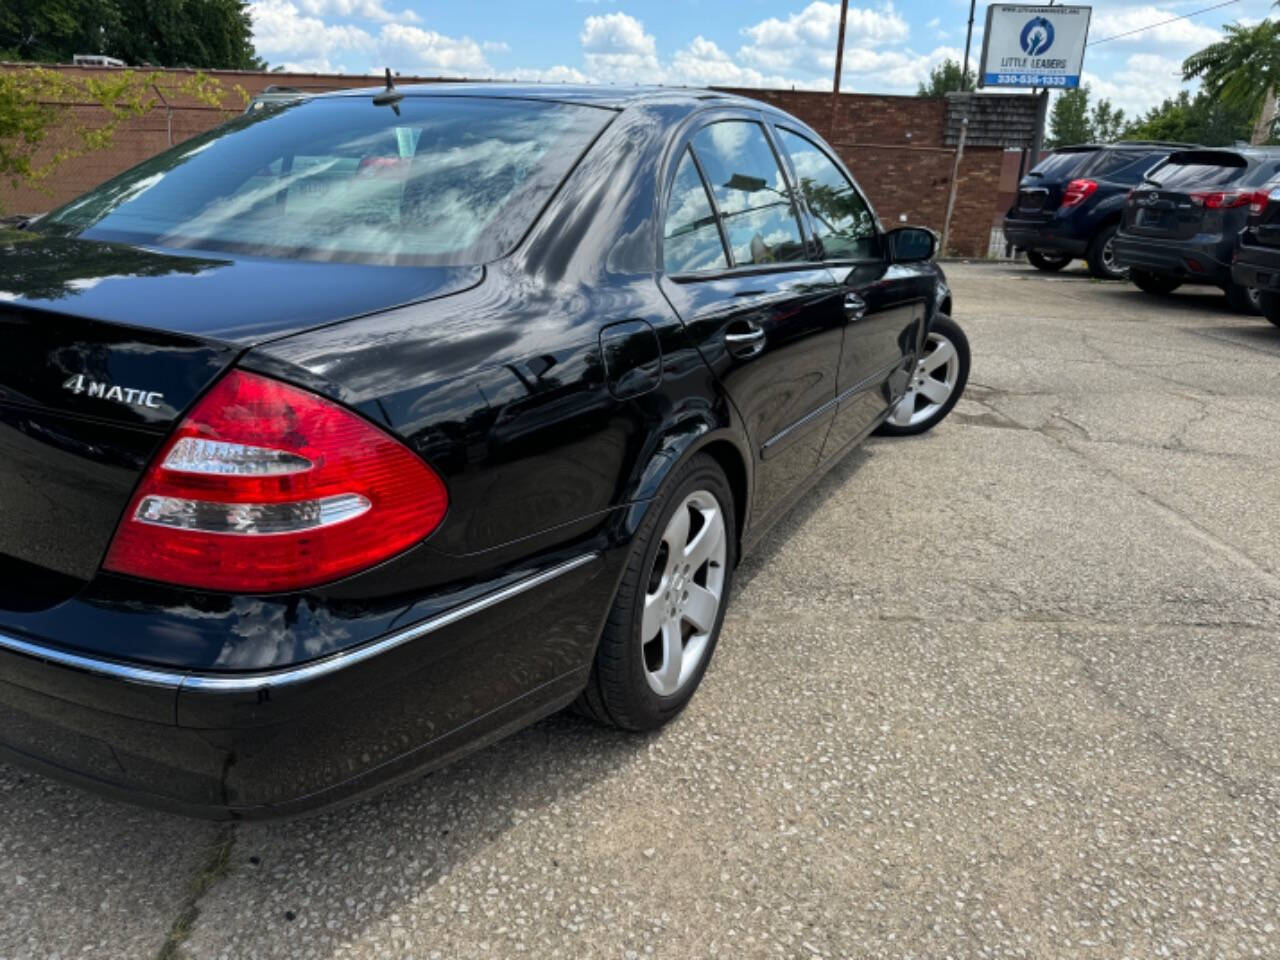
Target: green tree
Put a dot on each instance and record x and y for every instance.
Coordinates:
(1242, 71)
(34, 102)
(944, 78)
(1106, 124)
(1199, 120)
(207, 34)
(1069, 119)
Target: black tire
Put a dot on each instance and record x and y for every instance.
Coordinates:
(1270, 303)
(946, 328)
(1157, 284)
(618, 691)
(1099, 256)
(1050, 261)
(1246, 300)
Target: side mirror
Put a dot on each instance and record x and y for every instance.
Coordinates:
(912, 245)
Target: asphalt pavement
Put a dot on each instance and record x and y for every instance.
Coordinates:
(1009, 689)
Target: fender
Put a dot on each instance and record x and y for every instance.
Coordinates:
(677, 444)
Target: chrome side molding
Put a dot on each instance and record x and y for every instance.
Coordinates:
(284, 676)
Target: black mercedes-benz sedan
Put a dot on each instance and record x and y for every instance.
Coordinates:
(372, 426)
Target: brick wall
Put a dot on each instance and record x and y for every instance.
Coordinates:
(894, 146)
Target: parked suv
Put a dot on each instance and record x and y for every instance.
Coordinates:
(1182, 225)
(1071, 203)
(1257, 262)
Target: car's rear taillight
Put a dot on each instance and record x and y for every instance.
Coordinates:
(266, 487)
(1078, 191)
(1227, 199)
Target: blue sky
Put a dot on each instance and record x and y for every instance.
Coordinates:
(890, 46)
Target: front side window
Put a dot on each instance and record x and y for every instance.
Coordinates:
(843, 222)
(449, 180)
(753, 196)
(691, 239)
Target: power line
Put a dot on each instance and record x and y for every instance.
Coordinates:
(1152, 26)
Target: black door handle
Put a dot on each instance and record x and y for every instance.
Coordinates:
(855, 308)
(743, 338)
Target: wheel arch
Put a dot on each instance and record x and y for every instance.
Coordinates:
(677, 446)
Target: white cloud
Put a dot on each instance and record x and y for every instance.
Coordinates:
(414, 50)
(1180, 33)
(617, 49)
(806, 40)
(368, 9)
(286, 36)
(703, 64)
(1145, 80)
(557, 74)
(282, 34)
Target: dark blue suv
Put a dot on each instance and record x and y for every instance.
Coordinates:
(1071, 204)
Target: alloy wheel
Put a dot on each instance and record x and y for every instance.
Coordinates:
(1109, 258)
(682, 599)
(932, 382)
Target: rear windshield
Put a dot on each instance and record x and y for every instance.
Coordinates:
(449, 180)
(1060, 166)
(1200, 170)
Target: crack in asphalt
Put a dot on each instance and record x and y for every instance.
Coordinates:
(216, 866)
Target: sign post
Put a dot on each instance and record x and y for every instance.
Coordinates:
(1032, 46)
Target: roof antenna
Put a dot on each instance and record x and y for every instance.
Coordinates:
(389, 97)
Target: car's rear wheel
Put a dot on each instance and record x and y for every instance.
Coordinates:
(936, 384)
(1246, 300)
(1270, 304)
(670, 604)
(1050, 261)
(1102, 255)
(1159, 284)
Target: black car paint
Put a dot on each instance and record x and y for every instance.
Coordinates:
(531, 385)
(1070, 230)
(1199, 247)
(1257, 258)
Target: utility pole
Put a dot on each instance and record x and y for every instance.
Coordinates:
(968, 40)
(835, 88)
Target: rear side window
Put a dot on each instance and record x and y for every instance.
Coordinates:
(753, 197)
(691, 239)
(843, 221)
(1121, 165)
(449, 180)
(1062, 165)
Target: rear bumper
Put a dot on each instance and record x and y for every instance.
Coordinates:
(1191, 261)
(1257, 266)
(276, 743)
(1042, 235)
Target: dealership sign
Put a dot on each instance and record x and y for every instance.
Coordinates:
(1033, 46)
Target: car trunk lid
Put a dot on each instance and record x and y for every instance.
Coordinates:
(1041, 191)
(1191, 192)
(106, 346)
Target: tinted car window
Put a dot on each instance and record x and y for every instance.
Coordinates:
(844, 222)
(751, 192)
(450, 180)
(1057, 166)
(691, 240)
(1174, 175)
(1121, 165)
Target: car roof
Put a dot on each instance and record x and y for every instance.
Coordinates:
(598, 95)
(1128, 145)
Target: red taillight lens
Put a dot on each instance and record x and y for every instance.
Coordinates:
(266, 487)
(1077, 191)
(1224, 199)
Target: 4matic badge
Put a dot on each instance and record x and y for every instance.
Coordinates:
(129, 396)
